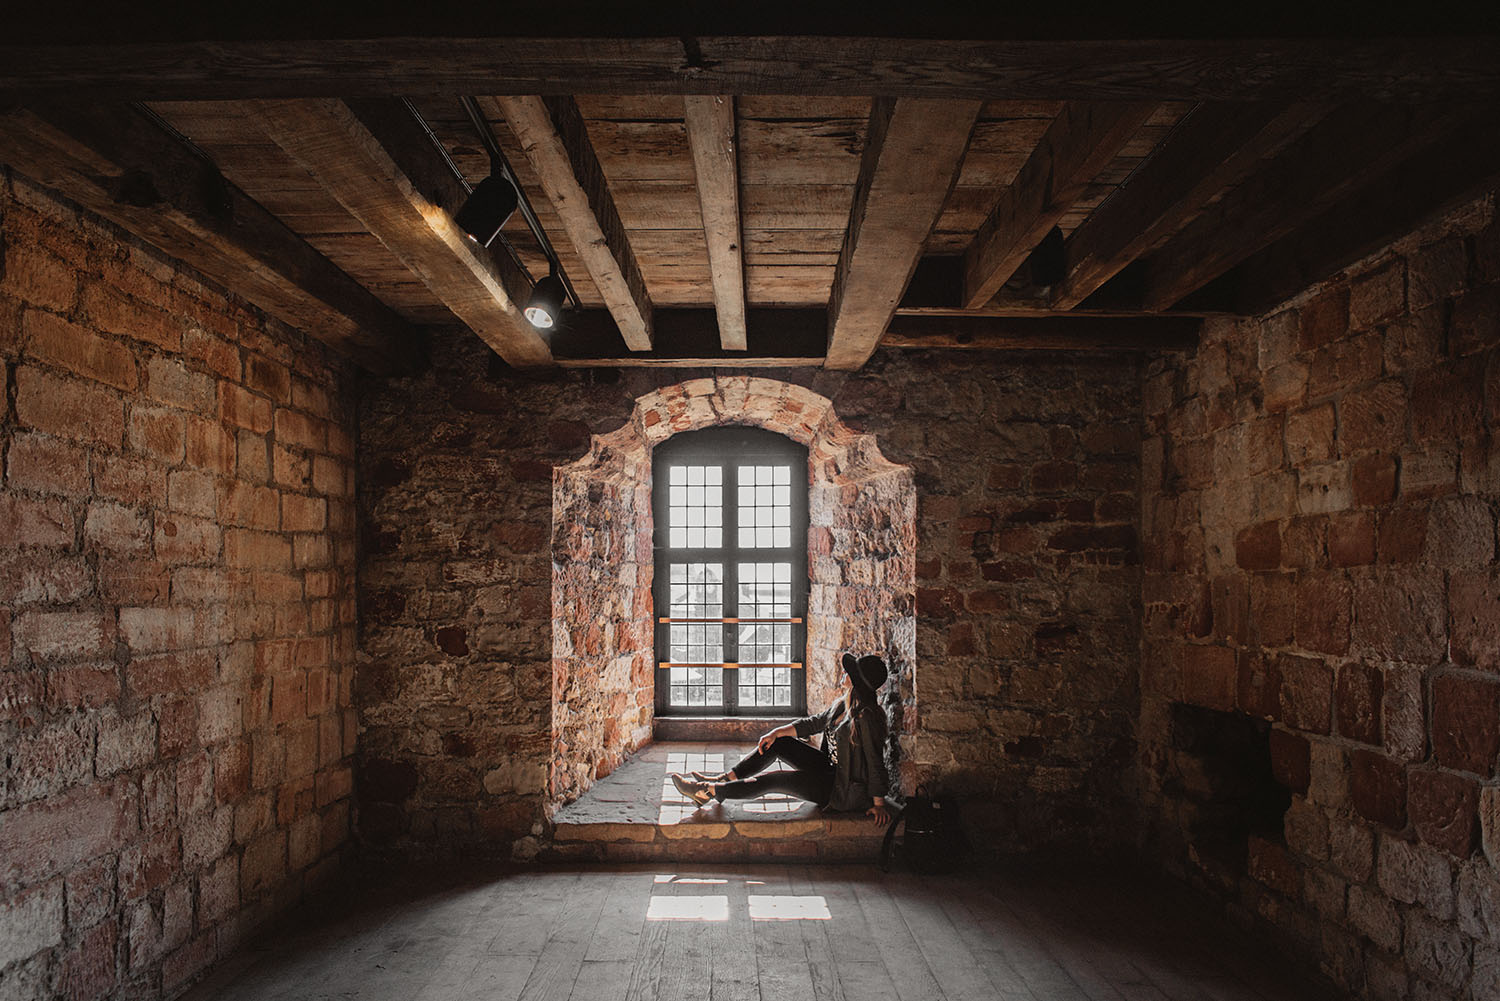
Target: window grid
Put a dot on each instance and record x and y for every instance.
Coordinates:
(696, 592)
(765, 592)
(746, 514)
(765, 507)
(696, 507)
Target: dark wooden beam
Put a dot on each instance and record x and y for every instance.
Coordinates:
(116, 161)
(1044, 333)
(1455, 170)
(1314, 173)
(917, 62)
(911, 159)
(552, 135)
(711, 135)
(1078, 144)
(688, 338)
(1209, 150)
(338, 149)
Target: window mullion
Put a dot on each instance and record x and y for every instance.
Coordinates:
(731, 511)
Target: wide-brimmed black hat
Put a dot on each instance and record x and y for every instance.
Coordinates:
(868, 672)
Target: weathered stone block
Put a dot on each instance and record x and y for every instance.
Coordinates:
(1489, 822)
(1436, 950)
(1399, 616)
(1306, 693)
(1372, 915)
(1258, 547)
(1414, 874)
(1323, 613)
(1444, 810)
(1358, 699)
(1291, 760)
(1373, 419)
(1466, 723)
(1377, 786)
(1478, 901)
(1474, 614)
(1210, 676)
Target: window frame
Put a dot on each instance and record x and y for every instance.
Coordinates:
(731, 447)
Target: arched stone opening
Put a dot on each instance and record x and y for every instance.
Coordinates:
(861, 566)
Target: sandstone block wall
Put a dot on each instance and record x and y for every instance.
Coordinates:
(1320, 491)
(1026, 643)
(176, 612)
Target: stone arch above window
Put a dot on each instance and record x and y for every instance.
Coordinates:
(861, 565)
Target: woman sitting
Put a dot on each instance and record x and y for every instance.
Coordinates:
(847, 773)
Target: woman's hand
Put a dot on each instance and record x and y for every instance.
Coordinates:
(769, 738)
(880, 812)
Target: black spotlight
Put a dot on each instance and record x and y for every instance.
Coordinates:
(545, 306)
(487, 209)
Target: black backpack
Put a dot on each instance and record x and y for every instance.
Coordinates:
(934, 839)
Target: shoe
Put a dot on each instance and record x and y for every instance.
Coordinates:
(695, 791)
(705, 777)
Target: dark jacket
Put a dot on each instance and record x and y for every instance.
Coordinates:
(860, 773)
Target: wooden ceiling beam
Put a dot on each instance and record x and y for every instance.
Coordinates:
(1211, 149)
(1044, 333)
(1453, 171)
(375, 183)
(1400, 68)
(117, 162)
(1079, 143)
(911, 160)
(1313, 174)
(711, 135)
(553, 137)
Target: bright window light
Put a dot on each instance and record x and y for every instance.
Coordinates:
(688, 909)
(779, 908)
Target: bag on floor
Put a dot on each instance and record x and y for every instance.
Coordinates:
(933, 839)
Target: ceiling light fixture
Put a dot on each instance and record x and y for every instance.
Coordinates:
(486, 210)
(545, 306)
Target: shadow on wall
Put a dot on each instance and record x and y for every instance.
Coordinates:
(861, 565)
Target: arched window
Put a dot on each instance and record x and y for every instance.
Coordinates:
(730, 508)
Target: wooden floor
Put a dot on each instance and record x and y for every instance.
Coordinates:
(1018, 933)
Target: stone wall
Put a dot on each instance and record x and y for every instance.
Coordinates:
(176, 612)
(1319, 503)
(1025, 643)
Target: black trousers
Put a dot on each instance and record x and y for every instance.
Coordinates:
(810, 778)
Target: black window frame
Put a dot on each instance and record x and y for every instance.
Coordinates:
(731, 447)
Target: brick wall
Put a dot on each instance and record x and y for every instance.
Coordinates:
(1319, 502)
(1025, 640)
(176, 612)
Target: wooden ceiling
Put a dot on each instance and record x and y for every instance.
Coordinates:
(760, 201)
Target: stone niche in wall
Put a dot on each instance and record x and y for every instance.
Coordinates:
(861, 566)
(1219, 773)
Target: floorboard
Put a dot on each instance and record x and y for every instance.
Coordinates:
(1019, 931)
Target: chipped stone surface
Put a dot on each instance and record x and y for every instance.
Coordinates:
(1381, 577)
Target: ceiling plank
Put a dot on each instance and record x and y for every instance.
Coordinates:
(1460, 66)
(1451, 172)
(1080, 142)
(775, 338)
(711, 134)
(1044, 333)
(335, 146)
(911, 159)
(1314, 173)
(552, 135)
(119, 163)
(1213, 148)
